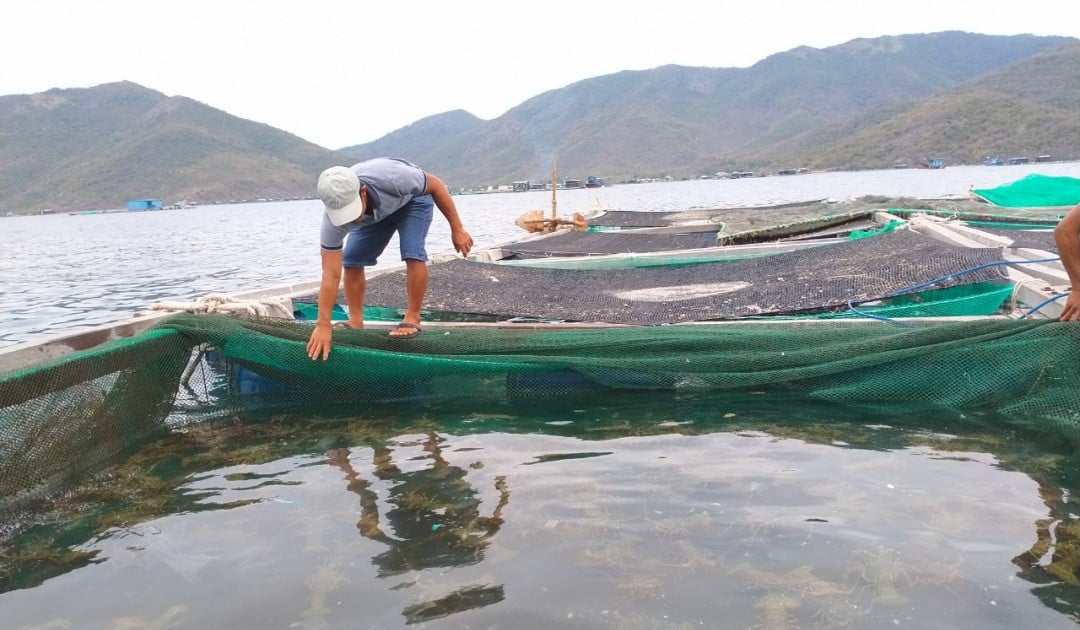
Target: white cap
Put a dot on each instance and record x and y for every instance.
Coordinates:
(339, 189)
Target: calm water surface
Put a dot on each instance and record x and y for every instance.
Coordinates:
(60, 273)
(628, 512)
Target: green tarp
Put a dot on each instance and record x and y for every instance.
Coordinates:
(1034, 191)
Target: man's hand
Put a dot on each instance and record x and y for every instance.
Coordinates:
(462, 241)
(319, 343)
(1071, 311)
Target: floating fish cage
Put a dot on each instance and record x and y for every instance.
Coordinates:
(881, 309)
(863, 302)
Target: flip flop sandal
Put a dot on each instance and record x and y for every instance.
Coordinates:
(414, 330)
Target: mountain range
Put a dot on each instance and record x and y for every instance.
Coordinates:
(865, 104)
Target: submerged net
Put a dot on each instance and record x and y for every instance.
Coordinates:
(76, 413)
(61, 419)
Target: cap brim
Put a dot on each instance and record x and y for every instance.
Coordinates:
(349, 212)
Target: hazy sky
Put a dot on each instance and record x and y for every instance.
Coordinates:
(339, 72)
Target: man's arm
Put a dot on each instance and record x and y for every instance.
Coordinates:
(319, 343)
(444, 201)
(1067, 237)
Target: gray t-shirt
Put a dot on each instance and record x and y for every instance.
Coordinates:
(391, 184)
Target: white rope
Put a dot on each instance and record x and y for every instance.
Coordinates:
(279, 307)
(1014, 299)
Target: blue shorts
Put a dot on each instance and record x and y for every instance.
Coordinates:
(367, 241)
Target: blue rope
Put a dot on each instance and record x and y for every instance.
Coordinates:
(1044, 303)
(880, 318)
(999, 263)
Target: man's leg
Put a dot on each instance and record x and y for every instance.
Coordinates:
(412, 223)
(416, 281)
(362, 249)
(355, 283)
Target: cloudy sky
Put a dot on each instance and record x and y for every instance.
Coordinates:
(343, 72)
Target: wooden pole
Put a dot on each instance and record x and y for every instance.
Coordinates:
(553, 187)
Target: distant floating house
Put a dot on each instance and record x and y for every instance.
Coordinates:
(573, 183)
(144, 204)
(521, 186)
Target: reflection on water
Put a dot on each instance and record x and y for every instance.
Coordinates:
(434, 519)
(628, 512)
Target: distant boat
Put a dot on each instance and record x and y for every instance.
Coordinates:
(573, 183)
(593, 182)
(934, 163)
(994, 160)
(144, 204)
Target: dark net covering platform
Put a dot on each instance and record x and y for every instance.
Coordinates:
(751, 224)
(746, 216)
(571, 243)
(741, 217)
(592, 243)
(1032, 239)
(814, 279)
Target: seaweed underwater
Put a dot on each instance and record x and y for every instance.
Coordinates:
(423, 512)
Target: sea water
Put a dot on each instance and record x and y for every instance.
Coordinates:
(628, 510)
